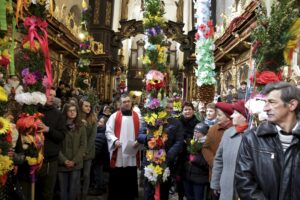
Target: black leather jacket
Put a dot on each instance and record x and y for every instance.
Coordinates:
(263, 170)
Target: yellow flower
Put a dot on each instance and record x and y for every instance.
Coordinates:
(162, 114)
(3, 95)
(158, 170)
(156, 133)
(6, 165)
(192, 141)
(31, 161)
(149, 155)
(150, 119)
(4, 125)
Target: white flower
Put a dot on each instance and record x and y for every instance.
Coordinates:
(150, 174)
(33, 1)
(38, 98)
(31, 98)
(166, 174)
(255, 105)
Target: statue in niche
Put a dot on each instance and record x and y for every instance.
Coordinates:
(124, 11)
(179, 11)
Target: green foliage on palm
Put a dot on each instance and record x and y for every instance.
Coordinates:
(270, 36)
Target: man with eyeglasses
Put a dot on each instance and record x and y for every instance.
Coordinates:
(121, 132)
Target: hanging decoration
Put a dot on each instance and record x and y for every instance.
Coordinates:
(270, 39)
(6, 45)
(6, 60)
(204, 51)
(82, 80)
(5, 140)
(36, 74)
(156, 117)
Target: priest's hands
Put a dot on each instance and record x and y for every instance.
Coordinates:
(118, 144)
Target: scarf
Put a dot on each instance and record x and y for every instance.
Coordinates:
(240, 128)
(226, 125)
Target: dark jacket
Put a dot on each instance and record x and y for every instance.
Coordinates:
(101, 147)
(54, 119)
(188, 126)
(197, 170)
(263, 170)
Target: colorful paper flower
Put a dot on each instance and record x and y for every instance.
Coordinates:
(3, 95)
(4, 125)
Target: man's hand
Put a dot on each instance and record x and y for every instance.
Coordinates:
(42, 127)
(118, 144)
(135, 144)
(217, 192)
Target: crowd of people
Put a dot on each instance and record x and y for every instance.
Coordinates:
(213, 151)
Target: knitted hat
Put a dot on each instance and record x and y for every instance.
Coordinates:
(202, 128)
(240, 107)
(225, 107)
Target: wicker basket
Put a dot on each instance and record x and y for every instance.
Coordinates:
(206, 93)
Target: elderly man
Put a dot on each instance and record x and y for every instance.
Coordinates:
(268, 162)
(122, 130)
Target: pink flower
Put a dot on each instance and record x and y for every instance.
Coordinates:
(29, 79)
(46, 82)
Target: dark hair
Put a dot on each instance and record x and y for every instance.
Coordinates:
(243, 83)
(103, 117)
(201, 127)
(188, 104)
(288, 92)
(77, 120)
(125, 95)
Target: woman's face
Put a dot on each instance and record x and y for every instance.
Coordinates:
(187, 112)
(221, 117)
(210, 113)
(72, 112)
(101, 122)
(86, 107)
(237, 118)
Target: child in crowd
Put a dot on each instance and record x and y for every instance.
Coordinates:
(196, 167)
(211, 114)
(101, 158)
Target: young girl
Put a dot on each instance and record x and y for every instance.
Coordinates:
(196, 166)
(90, 121)
(71, 154)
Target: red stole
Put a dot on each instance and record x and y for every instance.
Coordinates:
(118, 125)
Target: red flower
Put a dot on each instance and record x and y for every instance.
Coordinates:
(8, 137)
(202, 27)
(266, 77)
(210, 23)
(197, 36)
(4, 61)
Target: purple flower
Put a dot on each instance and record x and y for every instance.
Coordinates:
(154, 103)
(38, 75)
(25, 72)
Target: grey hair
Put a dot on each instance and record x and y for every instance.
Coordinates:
(288, 92)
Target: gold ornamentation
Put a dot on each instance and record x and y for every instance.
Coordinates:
(96, 12)
(108, 13)
(97, 48)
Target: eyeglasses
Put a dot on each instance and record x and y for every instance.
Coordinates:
(72, 110)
